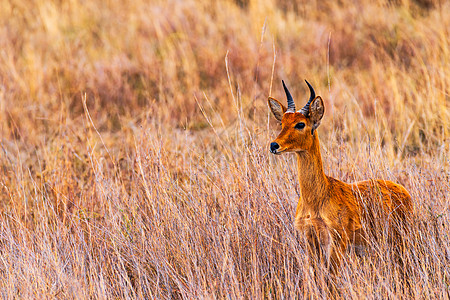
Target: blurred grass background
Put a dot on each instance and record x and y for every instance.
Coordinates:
(134, 135)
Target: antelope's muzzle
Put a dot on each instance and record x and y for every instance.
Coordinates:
(274, 147)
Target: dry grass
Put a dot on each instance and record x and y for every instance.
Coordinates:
(161, 185)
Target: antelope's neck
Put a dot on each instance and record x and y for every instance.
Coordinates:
(312, 179)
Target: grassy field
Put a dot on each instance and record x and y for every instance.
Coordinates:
(134, 139)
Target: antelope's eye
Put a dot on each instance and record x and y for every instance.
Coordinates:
(300, 125)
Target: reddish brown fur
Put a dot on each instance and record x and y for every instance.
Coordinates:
(330, 212)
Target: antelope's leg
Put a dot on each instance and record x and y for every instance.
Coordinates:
(319, 240)
(339, 246)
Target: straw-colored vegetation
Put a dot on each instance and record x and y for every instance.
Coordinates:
(134, 139)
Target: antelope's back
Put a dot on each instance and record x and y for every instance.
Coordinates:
(383, 199)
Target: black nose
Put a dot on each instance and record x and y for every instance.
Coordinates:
(274, 147)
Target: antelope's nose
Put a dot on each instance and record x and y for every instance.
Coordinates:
(273, 147)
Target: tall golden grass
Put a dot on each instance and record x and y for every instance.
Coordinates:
(134, 162)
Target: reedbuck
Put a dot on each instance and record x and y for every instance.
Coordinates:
(331, 213)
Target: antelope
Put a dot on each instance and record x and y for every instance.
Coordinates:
(330, 213)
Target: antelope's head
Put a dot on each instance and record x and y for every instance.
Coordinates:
(297, 127)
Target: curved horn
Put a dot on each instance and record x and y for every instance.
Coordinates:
(290, 100)
(305, 109)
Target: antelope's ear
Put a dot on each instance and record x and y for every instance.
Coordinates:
(277, 108)
(316, 110)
